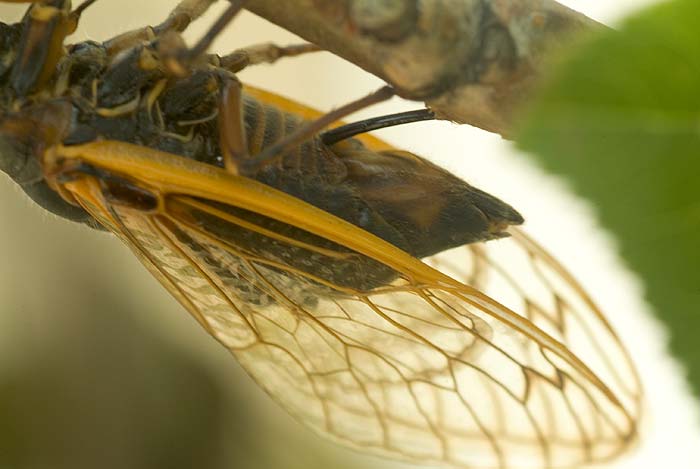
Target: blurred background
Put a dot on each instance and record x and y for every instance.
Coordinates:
(100, 367)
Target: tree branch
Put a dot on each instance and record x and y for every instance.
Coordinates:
(471, 61)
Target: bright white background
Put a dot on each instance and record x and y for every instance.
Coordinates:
(559, 220)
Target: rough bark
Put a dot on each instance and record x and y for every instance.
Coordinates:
(471, 61)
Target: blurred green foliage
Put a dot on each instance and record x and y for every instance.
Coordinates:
(620, 119)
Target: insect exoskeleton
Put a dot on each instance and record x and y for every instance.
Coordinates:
(299, 249)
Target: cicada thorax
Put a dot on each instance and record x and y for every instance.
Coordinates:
(182, 121)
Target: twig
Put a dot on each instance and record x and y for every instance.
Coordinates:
(471, 61)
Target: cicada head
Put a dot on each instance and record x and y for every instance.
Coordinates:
(31, 119)
(24, 137)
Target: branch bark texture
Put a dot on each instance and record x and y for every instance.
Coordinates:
(471, 61)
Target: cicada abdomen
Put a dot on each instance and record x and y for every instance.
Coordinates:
(300, 251)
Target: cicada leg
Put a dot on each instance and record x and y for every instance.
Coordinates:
(263, 53)
(200, 48)
(145, 53)
(232, 137)
(177, 59)
(45, 27)
(177, 21)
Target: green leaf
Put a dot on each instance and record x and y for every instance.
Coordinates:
(620, 119)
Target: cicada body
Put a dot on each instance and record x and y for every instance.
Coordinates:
(306, 263)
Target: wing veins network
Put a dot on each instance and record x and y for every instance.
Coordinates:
(225, 245)
(196, 266)
(377, 310)
(487, 432)
(419, 319)
(492, 379)
(268, 345)
(377, 412)
(123, 230)
(554, 382)
(582, 323)
(566, 376)
(417, 371)
(514, 285)
(538, 268)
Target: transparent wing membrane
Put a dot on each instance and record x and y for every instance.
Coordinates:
(422, 372)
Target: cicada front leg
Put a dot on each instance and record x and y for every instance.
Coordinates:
(44, 29)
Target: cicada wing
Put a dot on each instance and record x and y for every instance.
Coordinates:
(425, 372)
(527, 279)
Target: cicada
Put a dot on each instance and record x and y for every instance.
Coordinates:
(379, 299)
